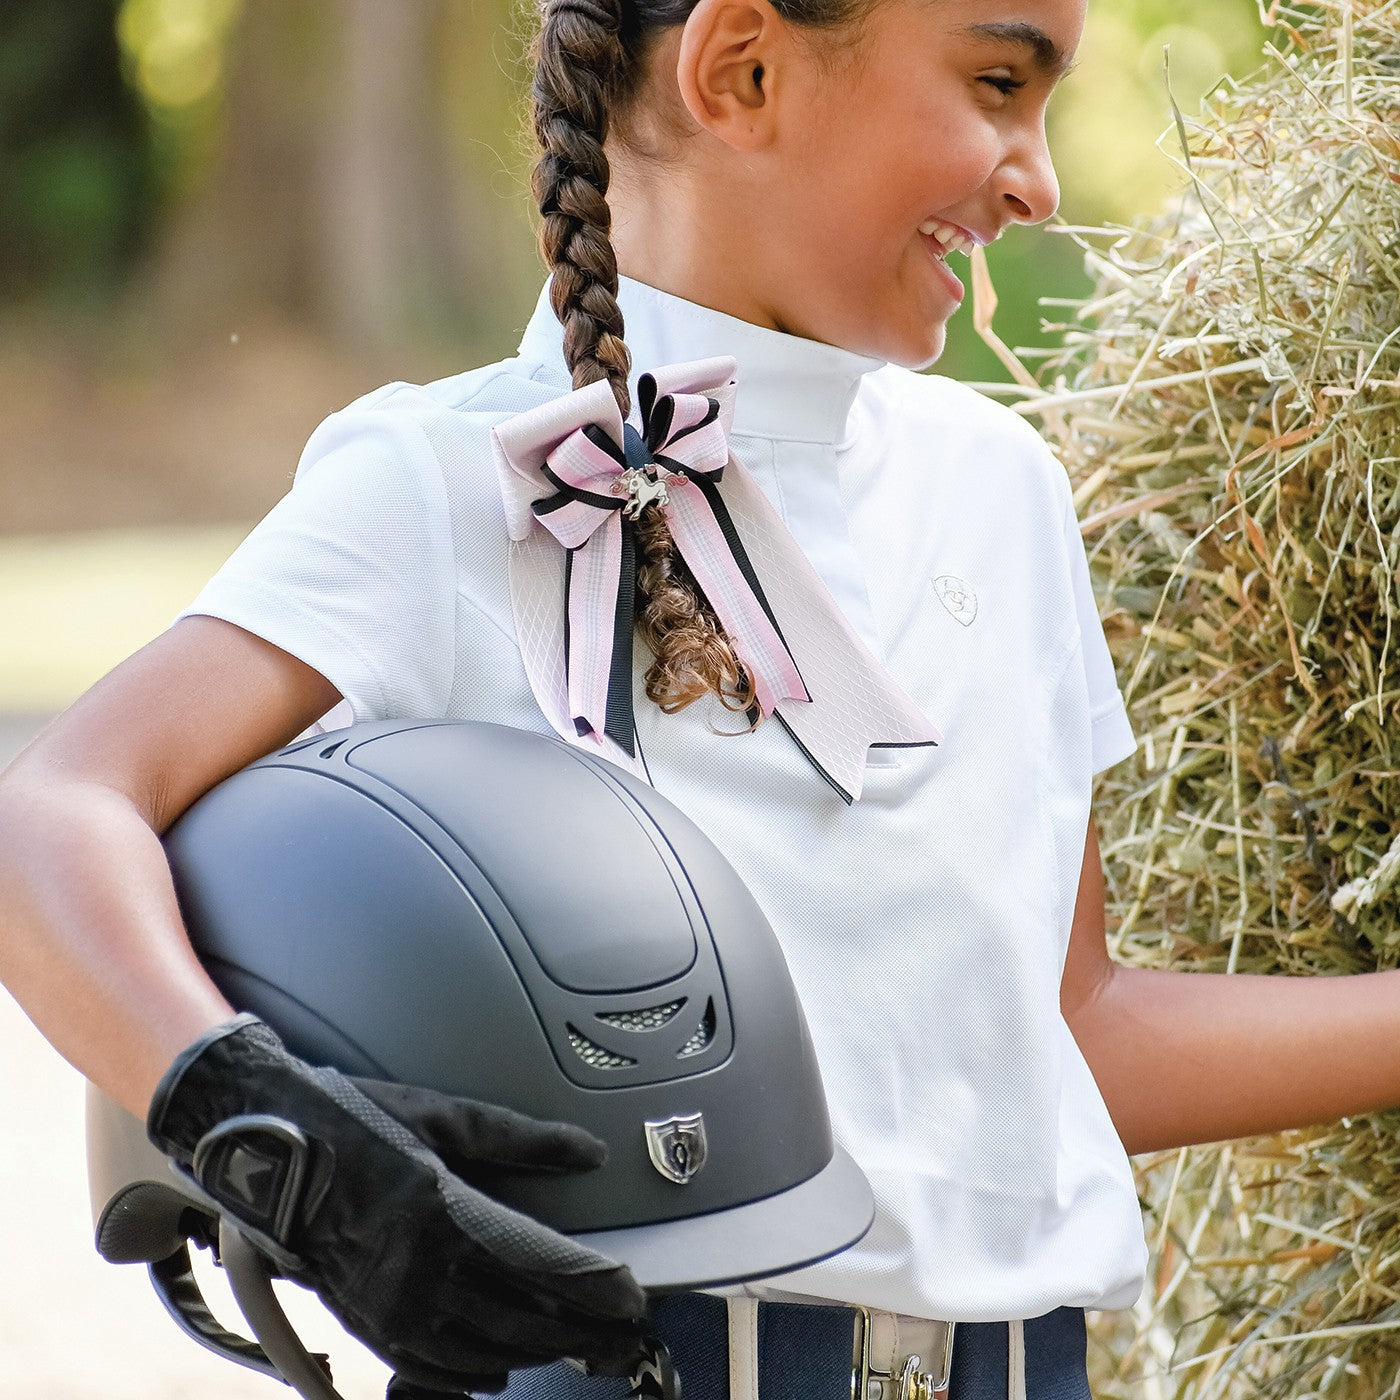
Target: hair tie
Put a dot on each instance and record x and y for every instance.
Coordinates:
(607, 16)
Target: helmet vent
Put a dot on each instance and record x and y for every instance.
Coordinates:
(704, 1034)
(652, 1018)
(595, 1055)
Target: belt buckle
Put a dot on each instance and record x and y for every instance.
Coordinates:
(913, 1382)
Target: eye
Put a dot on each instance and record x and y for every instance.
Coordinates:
(1005, 86)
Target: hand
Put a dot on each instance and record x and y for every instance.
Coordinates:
(369, 1194)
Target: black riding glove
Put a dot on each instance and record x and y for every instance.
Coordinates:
(369, 1194)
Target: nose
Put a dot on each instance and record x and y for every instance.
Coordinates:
(1030, 189)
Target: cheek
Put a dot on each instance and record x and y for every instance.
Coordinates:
(953, 159)
(860, 185)
(929, 161)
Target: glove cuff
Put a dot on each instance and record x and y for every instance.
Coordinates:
(189, 1099)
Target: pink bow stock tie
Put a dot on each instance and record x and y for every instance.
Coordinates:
(573, 474)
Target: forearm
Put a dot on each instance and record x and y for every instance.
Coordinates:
(91, 941)
(1186, 1057)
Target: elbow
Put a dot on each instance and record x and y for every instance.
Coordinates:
(1084, 998)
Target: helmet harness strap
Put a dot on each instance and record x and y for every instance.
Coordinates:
(281, 1355)
(655, 1376)
(174, 1281)
(251, 1282)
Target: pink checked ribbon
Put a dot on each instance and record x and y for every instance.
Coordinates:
(678, 458)
(573, 473)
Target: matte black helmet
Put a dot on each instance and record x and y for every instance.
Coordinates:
(495, 914)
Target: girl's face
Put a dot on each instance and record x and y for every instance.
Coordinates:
(805, 211)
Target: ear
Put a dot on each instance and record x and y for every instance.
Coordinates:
(731, 58)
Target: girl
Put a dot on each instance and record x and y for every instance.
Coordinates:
(748, 212)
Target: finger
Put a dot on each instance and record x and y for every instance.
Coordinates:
(610, 1294)
(464, 1132)
(501, 1241)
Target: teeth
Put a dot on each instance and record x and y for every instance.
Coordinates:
(952, 239)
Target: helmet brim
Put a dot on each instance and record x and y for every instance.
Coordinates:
(808, 1222)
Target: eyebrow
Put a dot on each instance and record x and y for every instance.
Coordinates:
(1050, 60)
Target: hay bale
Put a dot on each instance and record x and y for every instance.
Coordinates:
(1228, 405)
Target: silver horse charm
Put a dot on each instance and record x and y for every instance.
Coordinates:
(642, 490)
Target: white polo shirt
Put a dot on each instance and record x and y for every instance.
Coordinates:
(926, 925)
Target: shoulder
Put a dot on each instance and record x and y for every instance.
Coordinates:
(471, 401)
(982, 446)
(411, 438)
(495, 390)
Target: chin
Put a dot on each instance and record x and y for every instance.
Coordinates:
(925, 352)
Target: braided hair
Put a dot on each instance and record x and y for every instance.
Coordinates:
(588, 60)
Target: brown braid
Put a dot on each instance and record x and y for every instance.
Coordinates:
(586, 61)
(579, 61)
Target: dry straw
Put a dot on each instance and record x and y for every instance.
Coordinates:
(1228, 405)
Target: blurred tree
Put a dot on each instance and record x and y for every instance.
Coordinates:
(77, 187)
(333, 194)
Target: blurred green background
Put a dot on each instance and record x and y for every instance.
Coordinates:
(222, 219)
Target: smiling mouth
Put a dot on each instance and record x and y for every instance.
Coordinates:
(940, 248)
(947, 238)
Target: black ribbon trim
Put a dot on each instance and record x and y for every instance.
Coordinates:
(636, 454)
(600, 438)
(564, 493)
(646, 402)
(581, 726)
(705, 422)
(658, 417)
(709, 488)
(846, 797)
(550, 504)
(619, 721)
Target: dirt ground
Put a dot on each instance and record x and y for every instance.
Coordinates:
(71, 1326)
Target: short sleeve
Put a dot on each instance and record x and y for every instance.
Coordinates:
(1113, 739)
(353, 570)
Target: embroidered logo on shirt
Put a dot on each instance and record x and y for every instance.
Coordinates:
(957, 596)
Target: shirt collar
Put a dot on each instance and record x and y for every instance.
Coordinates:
(788, 386)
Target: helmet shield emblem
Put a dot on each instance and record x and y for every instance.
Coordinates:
(677, 1146)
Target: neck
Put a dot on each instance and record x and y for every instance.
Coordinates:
(790, 387)
(666, 235)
